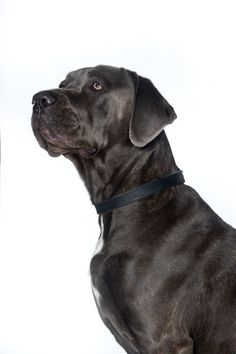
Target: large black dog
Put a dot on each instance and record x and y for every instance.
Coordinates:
(164, 272)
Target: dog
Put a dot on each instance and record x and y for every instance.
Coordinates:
(164, 271)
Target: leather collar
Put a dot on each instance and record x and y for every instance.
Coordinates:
(156, 186)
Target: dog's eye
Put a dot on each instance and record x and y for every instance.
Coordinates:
(97, 86)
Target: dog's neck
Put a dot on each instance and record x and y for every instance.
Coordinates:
(121, 168)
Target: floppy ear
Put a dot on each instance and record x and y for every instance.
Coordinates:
(151, 112)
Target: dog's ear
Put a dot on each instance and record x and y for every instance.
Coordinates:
(151, 112)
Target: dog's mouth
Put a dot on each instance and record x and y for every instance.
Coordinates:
(55, 143)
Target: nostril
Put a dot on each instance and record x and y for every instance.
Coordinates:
(47, 100)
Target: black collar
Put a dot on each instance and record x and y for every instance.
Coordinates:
(155, 186)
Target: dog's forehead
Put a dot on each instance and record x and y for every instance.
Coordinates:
(79, 75)
(105, 72)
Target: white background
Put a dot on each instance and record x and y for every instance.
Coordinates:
(49, 227)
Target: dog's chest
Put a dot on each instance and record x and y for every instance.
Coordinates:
(100, 267)
(107, 308)
(97, 257)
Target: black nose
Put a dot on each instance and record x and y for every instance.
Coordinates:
(44, 98)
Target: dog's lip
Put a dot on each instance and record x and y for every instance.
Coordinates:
(54, 150)
(83, 150)
(59, 144)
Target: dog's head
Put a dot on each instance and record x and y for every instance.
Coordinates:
(94, 108)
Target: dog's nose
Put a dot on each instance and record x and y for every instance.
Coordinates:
(44, 98)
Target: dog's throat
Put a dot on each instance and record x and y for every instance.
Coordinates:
(154, 187)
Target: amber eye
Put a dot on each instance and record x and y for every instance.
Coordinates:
(97, 86)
